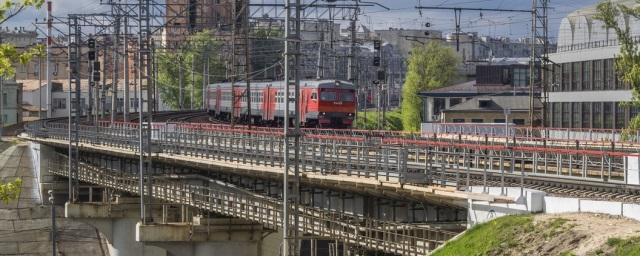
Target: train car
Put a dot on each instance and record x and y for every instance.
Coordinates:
(323, 103)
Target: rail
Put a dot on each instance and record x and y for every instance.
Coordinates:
(395, 159)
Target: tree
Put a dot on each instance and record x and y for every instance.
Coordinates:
(10, 191)
(9, 57)
(430, 66)
(200, 48)
(627, 63)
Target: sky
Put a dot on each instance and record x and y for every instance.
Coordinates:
(402, 15)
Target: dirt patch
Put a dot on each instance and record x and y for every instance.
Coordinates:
(593, 230)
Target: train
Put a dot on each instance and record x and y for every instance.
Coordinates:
(323, 103)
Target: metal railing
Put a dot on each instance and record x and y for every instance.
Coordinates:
(390, 237)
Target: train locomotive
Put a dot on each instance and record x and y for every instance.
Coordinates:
(323, 103)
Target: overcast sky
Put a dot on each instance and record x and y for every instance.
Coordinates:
(402, 14)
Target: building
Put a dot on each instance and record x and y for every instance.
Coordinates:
(491, 109)
(504, 77)
(184, 17)
(11, 102)
(60, 98)
(585, 91)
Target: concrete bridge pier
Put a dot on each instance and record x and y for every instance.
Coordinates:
(120, 225)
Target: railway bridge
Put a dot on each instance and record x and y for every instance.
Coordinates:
(363, 191)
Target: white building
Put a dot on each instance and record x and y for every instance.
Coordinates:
(60, 102)
(585, 91)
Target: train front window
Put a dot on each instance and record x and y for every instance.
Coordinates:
(328, 96)
(346, 96)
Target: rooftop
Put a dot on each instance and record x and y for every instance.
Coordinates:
(495, 103)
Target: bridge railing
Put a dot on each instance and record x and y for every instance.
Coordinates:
(390, 237)
(402, 160)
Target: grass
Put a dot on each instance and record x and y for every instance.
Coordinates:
(625, 247)
(393, 120)
(489, 238)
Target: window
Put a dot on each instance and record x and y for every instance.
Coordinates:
(458, 120)
(59, 103)
(575, 114)
(328, 96)
(520, 77)
(609, 77)
(576, 77)
(597, 114)
(566, 114)
(484, 103)
(565, 76)
(314, 96)
(608, 115)
(454, 101)
(633, 112)
(586, 75)
(518, 121)
(557, 114)
(498, 120)
(4, 99)
(598, 74)
(477, 120)
(620, 114)
(346, 96)
(586, 114)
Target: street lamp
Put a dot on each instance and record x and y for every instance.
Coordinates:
(53, 223)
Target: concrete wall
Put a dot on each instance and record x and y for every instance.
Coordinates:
(526, 201)
(568, 205)
(533, 201)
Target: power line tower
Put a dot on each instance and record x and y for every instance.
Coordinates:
(240, 58)
(75, 40)
(541, 54)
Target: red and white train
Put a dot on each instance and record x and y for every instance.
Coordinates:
(323, 103)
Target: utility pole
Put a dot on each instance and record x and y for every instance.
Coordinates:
(180, 83)
(352, 65)
(193, 81)
(114, 81)
(49, 40)
(532, 60)
(125, 50)
(74, 104)
(291, 41)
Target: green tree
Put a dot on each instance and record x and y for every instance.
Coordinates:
(628, 61)
(430, 66)
(10, 191)
(200, 48)
(9, 57)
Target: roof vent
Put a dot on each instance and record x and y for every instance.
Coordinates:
(484, 103)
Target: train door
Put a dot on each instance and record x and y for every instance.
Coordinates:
(268, 103)
(218, 100)
(304, 103)
(237, 102)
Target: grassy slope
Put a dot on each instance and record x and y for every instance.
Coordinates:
(516, 234)
(488, 238)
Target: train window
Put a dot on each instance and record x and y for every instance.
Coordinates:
(314, 96)
(347, 96)
(328, 96)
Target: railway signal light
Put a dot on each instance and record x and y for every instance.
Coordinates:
(91, 43)
(381, 75)
(376, 61)
(376, 45)
(96, 76)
